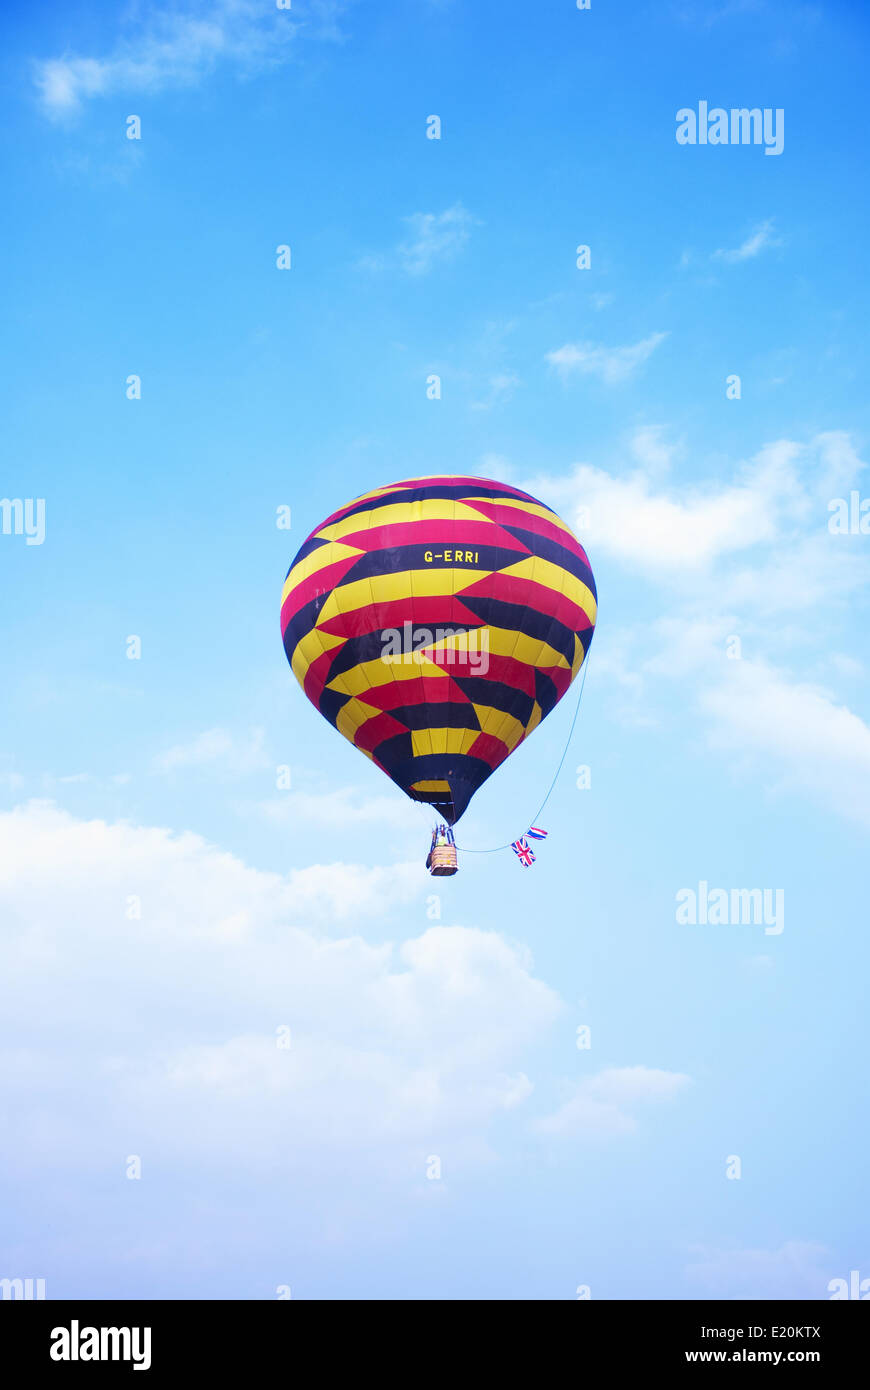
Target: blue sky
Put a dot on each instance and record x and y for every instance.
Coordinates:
(740, 764)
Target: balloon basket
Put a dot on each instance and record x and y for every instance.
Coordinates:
(442, 861)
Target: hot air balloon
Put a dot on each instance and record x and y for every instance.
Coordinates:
(435, 622)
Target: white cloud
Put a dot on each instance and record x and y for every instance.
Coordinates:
(795, 1270)
(804, 573)
(799, 735)
(610, 365)
(177, 47)
(761, 239)
(688, 646)
(216, 747)
(759, 965)
(846, 665)
(603, 1105)
(616, 666)
(501, 386)
(192, 889)
(164, 1025)
(346, 806)
(651, 450)
(435, 237)
(496, 466)
(838, 464)
(666, 529)
(750, 558)
(819, 744)
(663, 531)
(346, 892)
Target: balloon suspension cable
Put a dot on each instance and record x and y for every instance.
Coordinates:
(497, 848)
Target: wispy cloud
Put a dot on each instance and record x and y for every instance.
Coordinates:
(610, 364)
(761, 239)
(651, 449)
(501, 386)
(436, 237)
(820, 745)
(345, 806)
(177, 47)
(800, 737)
(216, 747)
(798, 1269)
(603, 1105)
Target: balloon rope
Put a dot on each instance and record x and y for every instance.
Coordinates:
(496, 848)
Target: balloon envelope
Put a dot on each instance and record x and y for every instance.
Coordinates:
(435, 622)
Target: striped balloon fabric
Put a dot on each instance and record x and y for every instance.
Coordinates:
(435, 622)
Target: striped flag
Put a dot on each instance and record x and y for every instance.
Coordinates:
(535, 833)
(523, 850)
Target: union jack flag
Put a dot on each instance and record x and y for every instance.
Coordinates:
(534, 832)
(524, 852)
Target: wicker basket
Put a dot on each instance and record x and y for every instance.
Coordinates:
(443, 860)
